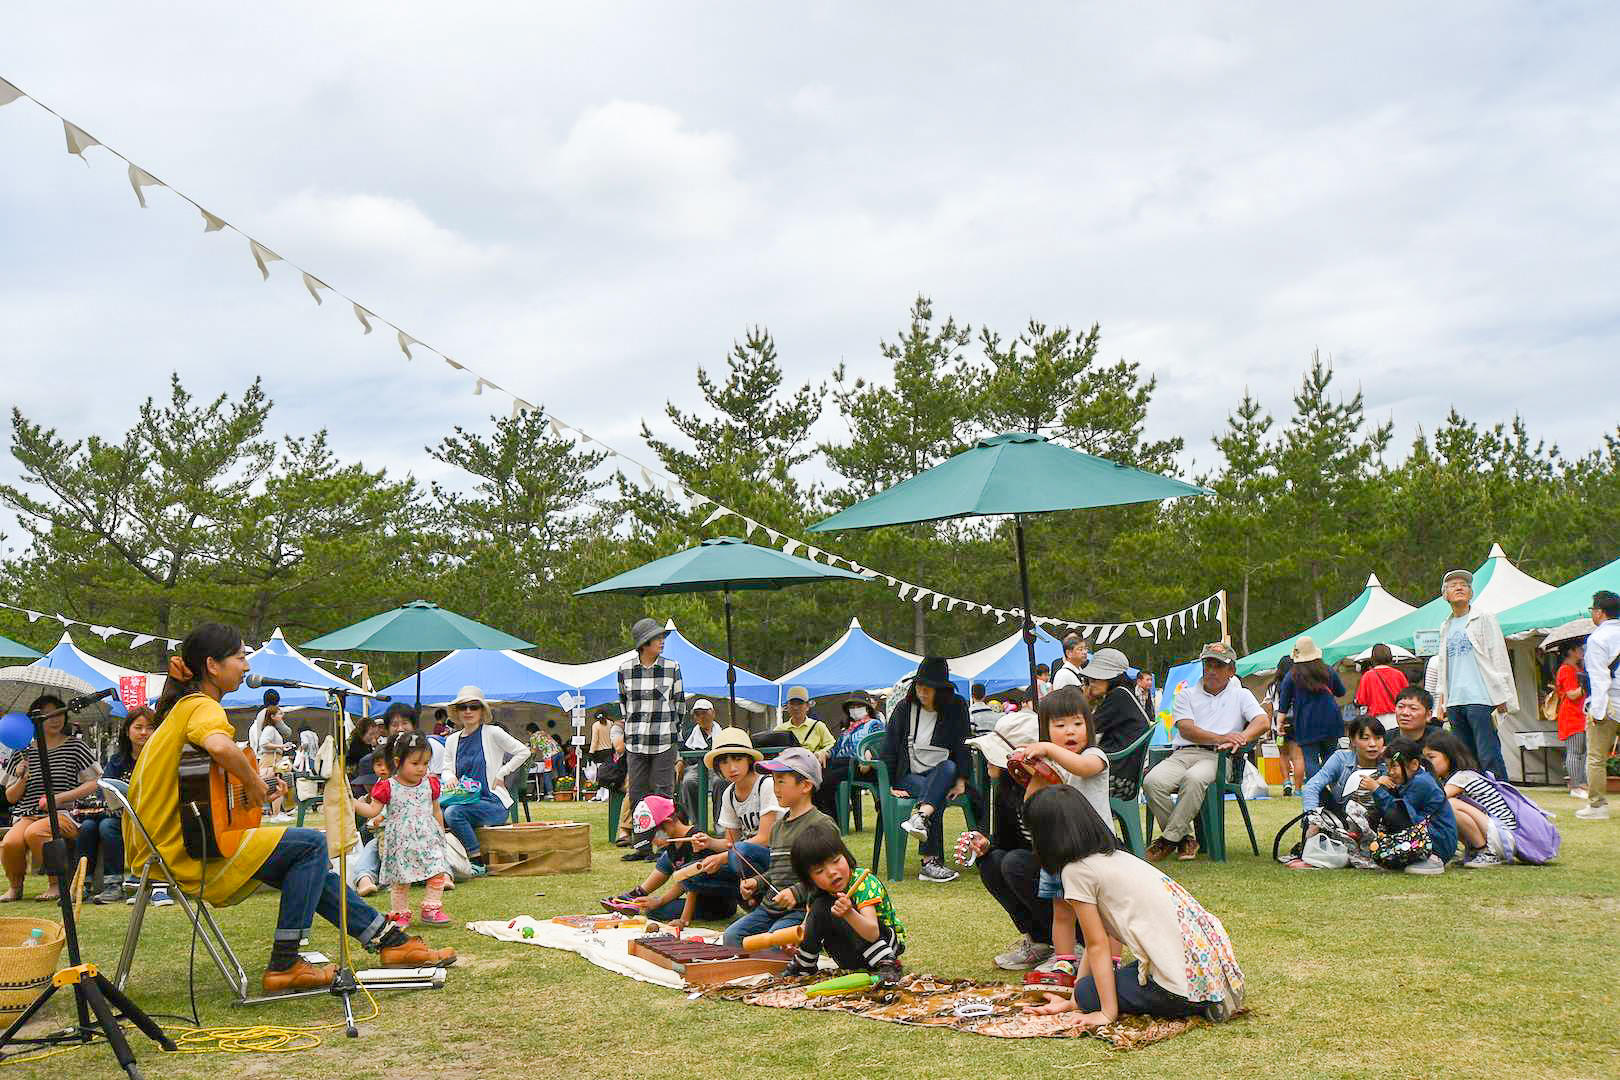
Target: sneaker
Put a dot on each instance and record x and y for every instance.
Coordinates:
(479, 869)
(916, 824)
(1288, 789)
(160, 898)
(936, 871)
(113, 893)
(1189, 848)
(1431, 865)
(1482, 859)
(401, 919)
(434, 916)
(1578, 794)
(1593, 813)
(1160, 849)
(888, 974)
(1024, 954)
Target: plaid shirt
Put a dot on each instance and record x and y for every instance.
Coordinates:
(653, 701)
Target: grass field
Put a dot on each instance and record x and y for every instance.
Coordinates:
(1508, 974)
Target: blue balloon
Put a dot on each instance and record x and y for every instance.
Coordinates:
(16, 730)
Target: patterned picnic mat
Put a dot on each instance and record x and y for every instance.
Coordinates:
(924, 1001)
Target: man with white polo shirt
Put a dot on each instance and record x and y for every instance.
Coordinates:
(698, 735)
(1075, 655)
(1215, 713)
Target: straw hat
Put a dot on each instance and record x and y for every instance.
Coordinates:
(1306, 649)
(731, 740)
(469, 694)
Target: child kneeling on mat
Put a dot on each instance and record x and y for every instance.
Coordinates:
(1183, 962)
(850, 914)
(688, 895)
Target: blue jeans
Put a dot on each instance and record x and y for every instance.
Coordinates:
(932, 787)
(366, 861)
(463, 818)
(298, 867)
(1475, 725)
(1048, 886)
(548, 783)
(1316, 755)
(103, 836)
(761, 921)
(1135, 997)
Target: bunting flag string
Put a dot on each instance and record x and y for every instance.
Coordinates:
(655, 478)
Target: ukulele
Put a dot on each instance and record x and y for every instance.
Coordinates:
(221, 800)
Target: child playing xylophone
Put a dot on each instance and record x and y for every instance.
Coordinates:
(850, 914)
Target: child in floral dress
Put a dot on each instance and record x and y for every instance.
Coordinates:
(413, 841)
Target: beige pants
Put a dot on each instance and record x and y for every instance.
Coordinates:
(1175, 790)
(1600, 736)
(26, 839)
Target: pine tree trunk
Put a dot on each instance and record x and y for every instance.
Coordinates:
(919, 638)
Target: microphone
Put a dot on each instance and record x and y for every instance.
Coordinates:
(258, 681)
(90, 699)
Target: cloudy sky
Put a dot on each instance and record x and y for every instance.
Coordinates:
(587, 201)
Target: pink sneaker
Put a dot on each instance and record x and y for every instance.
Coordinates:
(401, 919)
(434, 916)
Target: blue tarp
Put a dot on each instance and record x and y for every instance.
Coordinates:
(855, 661)
(702, 675)
(276, 659)
(500, 673)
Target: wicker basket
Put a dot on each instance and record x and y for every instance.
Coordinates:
(25, 970)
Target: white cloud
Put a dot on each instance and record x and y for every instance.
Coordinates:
(387, 227)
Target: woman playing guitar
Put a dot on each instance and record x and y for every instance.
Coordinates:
(212, 663)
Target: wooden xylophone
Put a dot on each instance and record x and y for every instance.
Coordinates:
(704, 963)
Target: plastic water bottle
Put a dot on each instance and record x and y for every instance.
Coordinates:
(36, 936)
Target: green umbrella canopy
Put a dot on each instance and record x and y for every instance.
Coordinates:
(417, 627)
(17, 649)
(1015, 473)
(724, 563)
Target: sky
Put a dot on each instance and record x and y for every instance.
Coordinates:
(586, 202)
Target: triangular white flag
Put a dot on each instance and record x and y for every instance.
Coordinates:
(1181, 621)
(458, 367)
(139, 178)
(937, 600)
(478, 387)
(64, 620)
(34, 616)
(890, 581)
(140, 639)
(210, 222)
(749, 525)
(856, 567)
(715, 515)
(262, 255)
(361, 313)
(314, 285)
(78, 140)
(405, 343)
(173, 643)
(104, 632)
(648, 479)
(905, 590)
(556, 427)
(8, 93)
(811, 553)
(772, 535)
(1001, 616)
(791, 546)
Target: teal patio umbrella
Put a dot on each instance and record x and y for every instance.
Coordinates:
(417, 627)
(16, 649)
(1009, 475)
(724, 565)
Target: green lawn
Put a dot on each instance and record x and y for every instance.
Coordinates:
(1504, 974)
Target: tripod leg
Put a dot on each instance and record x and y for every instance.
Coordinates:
(133, 1013)
(27, 1014)
(89, 992)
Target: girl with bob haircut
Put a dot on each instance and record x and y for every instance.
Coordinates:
(1183, 961)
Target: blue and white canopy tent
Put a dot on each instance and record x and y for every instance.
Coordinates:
(1004, 665)
(502, 674)
(277, 659)
(702, 675)
(100, 674)
(856, 661)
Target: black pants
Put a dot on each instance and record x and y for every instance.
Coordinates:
(1011, 877)
(649, 774)
(835, 772)
(825, 931)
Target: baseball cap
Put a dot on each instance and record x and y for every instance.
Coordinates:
(795, 759)
(1218, 650)
(1105, 664)
(797, 693)
(702, 703)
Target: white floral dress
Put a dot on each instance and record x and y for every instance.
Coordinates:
(413, 843)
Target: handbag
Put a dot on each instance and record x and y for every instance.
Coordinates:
(1399, 848)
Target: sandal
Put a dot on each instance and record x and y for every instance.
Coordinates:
(11, 896)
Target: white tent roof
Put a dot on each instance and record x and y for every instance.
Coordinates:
(970, 665)
(1382, 607)
(1509, 586)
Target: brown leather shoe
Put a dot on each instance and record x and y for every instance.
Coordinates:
(1189, 848)
(413, 952)
(1160, 849)
(303, 975)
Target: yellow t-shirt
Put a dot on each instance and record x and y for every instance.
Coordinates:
(812, 734)
(154, 792)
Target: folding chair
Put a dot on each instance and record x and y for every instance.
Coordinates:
(1210, 823)
(196, 909)
(1129, 812)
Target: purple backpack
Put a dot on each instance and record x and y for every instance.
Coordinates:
(1536, 839)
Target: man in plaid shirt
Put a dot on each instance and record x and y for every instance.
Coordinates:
(653, 701)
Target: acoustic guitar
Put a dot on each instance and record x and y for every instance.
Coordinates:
(223, 810)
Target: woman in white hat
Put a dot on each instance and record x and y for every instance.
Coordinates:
(479, 757)
(1307, 694)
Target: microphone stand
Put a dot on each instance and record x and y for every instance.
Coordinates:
(93, 992)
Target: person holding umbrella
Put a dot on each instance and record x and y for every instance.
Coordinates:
(926, 748)
(652, 701)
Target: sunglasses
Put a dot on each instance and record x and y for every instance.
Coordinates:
(470, 706)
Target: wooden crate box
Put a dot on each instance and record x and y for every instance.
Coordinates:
(537, 847)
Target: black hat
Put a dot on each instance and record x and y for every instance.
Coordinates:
(935, 672)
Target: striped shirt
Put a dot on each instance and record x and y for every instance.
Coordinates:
(653, 701)
(71, 764)
(1483, 794)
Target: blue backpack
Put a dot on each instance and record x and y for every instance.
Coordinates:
(1536, 840)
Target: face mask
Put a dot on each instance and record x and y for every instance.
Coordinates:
(857, 712)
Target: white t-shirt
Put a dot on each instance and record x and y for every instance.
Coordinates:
(923, 755)
(1476, 788)
(1065, 676)
(744, 814)
(269, 743)
(1226, 713)
(1093, 787)
(256, 728)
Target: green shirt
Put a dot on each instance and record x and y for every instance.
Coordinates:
(868, 892)
(779, 875)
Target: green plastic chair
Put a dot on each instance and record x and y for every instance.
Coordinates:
(892, 809)
(1129, 812)
(1210, 824)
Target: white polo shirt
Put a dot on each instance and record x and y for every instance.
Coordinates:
(1225, 713)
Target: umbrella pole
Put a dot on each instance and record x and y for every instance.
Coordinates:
(1029, 625)
(419, 682)
(731, 669)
